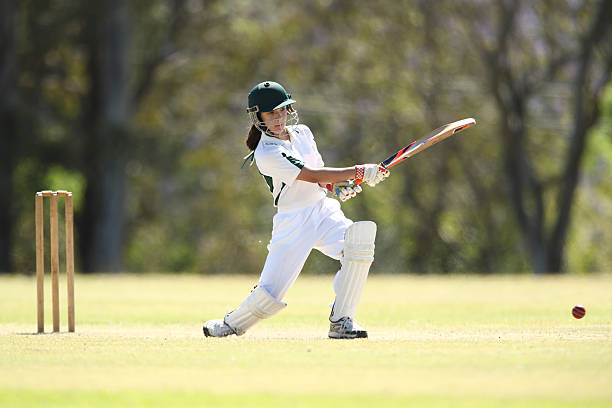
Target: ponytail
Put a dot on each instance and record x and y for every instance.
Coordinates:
(253, 138)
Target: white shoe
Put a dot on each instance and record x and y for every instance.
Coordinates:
(217, 328)
(346, 328)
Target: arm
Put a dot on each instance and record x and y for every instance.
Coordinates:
(371, 174)
(326, 175)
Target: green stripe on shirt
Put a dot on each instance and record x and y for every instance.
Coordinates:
(296, 162)
(279, 193)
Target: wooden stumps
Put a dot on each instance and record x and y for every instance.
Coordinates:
(54, 248)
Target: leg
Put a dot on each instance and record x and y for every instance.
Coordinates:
(257, 306)
(333, 230)
(293, 237)
(350, 280)
(288, 251)
(280, 272)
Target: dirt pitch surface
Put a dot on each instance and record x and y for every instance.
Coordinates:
(434, 341)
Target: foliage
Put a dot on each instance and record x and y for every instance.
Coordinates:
(368, 78)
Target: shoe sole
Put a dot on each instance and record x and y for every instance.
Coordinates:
(206, 332)
(349, 336)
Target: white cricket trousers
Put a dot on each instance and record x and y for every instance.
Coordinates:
(294, 234)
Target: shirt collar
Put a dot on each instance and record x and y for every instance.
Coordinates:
(266, 137)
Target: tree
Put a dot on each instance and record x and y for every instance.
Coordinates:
(8, 128)
(120, 78)
(527, 50)
(105, 126)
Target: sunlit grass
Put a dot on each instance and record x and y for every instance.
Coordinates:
(434, 341)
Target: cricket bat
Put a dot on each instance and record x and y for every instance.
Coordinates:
(428, 140)
(419, 145)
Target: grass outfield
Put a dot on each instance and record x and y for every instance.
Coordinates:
(434, 341)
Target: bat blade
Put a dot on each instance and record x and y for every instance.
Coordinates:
(428, 140)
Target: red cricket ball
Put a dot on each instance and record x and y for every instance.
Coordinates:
(578, 311)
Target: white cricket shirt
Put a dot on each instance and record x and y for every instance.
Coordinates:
(280, 162)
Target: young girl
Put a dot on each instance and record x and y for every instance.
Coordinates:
(287, 157)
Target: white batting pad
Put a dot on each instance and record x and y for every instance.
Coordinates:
(258, 305)
(350, 280)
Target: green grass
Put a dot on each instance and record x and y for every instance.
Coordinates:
(434, 341)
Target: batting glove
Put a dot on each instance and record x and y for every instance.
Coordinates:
(344, 190)
(371, 174)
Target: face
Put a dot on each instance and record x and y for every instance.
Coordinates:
(276, 120)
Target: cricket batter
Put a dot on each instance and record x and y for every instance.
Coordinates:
(287, 157)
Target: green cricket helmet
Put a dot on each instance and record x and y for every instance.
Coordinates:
(267, 97)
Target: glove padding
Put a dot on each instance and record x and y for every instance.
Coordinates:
(371, 174)
(344, 190)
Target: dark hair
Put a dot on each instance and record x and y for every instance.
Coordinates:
(253, 138)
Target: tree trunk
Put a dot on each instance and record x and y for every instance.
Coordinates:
(512, 92)
(8, 130)
(586, 113)
(106, 129)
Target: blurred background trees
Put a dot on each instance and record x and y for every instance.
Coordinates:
(139, 109)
